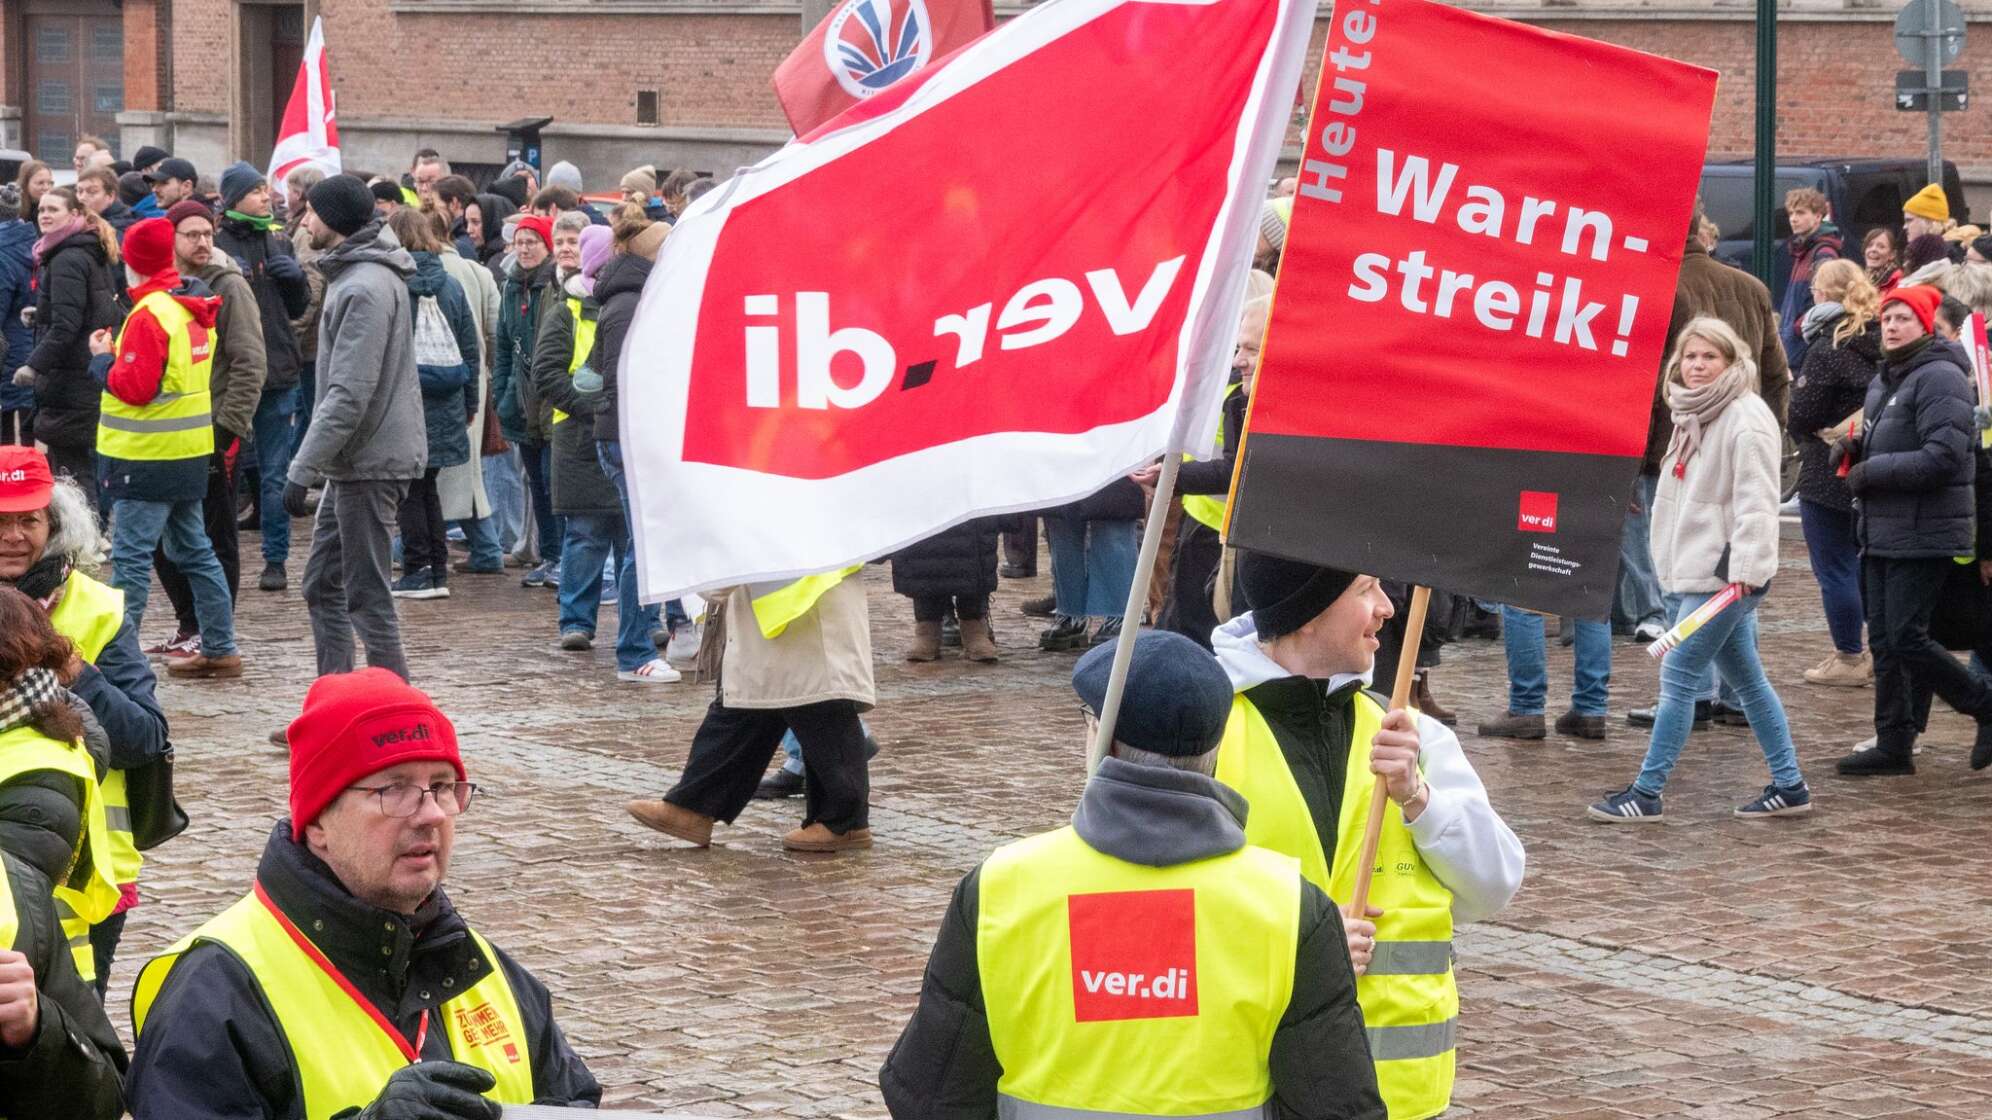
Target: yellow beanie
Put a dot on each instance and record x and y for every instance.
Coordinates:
(1928, 203)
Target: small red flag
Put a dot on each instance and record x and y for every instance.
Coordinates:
(864, 47)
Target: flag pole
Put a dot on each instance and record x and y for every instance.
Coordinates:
(1137, 602)
(1400, 697)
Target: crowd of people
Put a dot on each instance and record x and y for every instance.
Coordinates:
(422, 366)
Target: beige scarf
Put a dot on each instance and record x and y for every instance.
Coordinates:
(1695, 409)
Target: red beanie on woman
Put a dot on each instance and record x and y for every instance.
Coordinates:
(1921, 299)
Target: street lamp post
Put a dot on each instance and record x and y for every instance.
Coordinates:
(1764, 203)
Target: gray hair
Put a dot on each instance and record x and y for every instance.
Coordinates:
(574, 220)
(72, 526)
(305, 177)
(1205, 763)
(1971, 283)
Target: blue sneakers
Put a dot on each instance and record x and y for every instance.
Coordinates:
(1627, 806)
(1776, 802)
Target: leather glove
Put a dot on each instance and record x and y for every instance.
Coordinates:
(434, 1091)
(25, 377)
(283, 268)
(1857, 478)
(1840, 450)
(297, 500)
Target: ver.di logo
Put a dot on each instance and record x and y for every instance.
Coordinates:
(873, 43)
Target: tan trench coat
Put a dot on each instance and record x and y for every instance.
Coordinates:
(824, 655)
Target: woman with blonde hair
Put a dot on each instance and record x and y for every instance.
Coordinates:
(1715, 523)
(1844, 331)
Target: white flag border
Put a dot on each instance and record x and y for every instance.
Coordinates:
(729, 499)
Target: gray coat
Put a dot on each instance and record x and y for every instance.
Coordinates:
(366, 422)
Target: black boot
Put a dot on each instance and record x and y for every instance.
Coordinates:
(1875, 763)
(1704, 715)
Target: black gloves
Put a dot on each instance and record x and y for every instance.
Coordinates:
(1838, 452)
(434, 1091)
(297, 500)
(1857, 478)
(283, 268)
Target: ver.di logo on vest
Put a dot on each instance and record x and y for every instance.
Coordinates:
(871, 44)
(1134, 955)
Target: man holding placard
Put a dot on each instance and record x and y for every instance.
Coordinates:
(1306, 744)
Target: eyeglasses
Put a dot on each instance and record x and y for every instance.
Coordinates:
(197, 235)
(404, 799)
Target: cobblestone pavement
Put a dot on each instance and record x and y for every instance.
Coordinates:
(1835, 966)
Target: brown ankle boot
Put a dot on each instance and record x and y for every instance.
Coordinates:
(1421, 699)
(926, 642)
(978, 641)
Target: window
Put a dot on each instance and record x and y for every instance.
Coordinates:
(290, 24)
(107, 97)
(646, 106)
(107, 42)
(56, 148)
(51, 97)
(52, 44)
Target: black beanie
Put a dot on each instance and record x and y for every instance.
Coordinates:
(1286, 595)
(343, 203)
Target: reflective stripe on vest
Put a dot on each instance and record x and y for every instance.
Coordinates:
(1010, 1108)
(89, 614)
(584, 345)
(1098, 975)
(178, 423)
(1410, 1009)
(344, 1056)
(780, 602)
(86, 894)
(1208, 509)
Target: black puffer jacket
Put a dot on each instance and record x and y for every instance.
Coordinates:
(1831, 384)
(579, 485)
(618, 288)
(957, 561)
(1914, 478)
(278, 301)
(72, 1067)
(75, 294)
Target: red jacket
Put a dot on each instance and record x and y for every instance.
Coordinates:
(143, 347)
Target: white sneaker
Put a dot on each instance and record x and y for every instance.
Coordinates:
(654, 671)
(1648, 632)
(683, 648)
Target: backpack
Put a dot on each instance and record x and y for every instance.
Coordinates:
(435, 342)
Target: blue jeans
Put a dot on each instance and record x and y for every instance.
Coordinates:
(1638, 598)
(138, 527)
(538, 458)
(1836, 564)
(608, 452)
(1729, 642)
(507, 491)
(481, 534)
(276, 412)
(1528, 664)
(307, 399)
(1092, 565)
(591, 539)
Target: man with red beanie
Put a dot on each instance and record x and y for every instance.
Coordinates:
(155, 432)
(345, 979)
(1912, 478)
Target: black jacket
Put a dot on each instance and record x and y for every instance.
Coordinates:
(579, 484)
(76, 292)
(956, 561)
(1914, 478)
(277, 301)
(618, 287)
(211, 1049)
(1831, 384)
(71, 1069)
(1214, 477)
(944, 1066)
(523, 304)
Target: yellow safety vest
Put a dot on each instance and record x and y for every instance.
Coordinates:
(1100, 976)
(1409, 997)
(10, 922)
(1208, 509)
(178, 423)
(89, 615)
(780, 602)
(86, 894)
(344, 1052)
(584, 345)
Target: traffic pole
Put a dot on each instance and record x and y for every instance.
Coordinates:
(1933, 80)
(1764, 208)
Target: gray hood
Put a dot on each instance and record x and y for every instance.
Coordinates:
(1158, 817)
(373, 243)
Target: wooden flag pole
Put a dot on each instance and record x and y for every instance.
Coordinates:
(1137, 602)
(1400, 697)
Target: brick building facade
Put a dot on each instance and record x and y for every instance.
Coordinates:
(685, 82)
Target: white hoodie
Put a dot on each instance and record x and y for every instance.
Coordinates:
(1462, 839)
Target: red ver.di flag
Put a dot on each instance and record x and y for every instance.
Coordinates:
(994, 287)
(864, 47)
(1472, 303)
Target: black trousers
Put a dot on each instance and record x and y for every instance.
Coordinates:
(1020, 545)
(17, 426)
(1900, 597)
(104, 938)
(731, 751)
(79, 463)
(423, 543)
(218, 514)
(933, 608)
(1191, 607)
